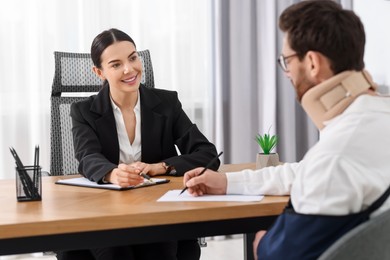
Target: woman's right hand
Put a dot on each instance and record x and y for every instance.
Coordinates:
(125, 175)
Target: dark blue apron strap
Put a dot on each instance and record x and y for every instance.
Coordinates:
(316, 232)
(379, 202)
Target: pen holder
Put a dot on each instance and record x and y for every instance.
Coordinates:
(28, 183)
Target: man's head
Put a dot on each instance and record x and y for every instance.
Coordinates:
(323, 39)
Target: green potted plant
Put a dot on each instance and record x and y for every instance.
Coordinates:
(267, 143)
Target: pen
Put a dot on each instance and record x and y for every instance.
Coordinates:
(22, 174)
(35, 169)
(145, 176)
(36, 172)
(203, 171)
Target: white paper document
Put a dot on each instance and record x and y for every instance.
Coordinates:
(173, 195)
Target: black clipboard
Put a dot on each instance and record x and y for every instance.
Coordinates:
(84, 182)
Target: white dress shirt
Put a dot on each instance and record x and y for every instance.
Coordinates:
(345, 172)
(128, 153)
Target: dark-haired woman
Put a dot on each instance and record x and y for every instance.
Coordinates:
(126, 129)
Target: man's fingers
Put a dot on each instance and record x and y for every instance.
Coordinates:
(197, 180)
(192, 173)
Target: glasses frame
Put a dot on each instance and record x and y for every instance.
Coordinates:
(282, 60)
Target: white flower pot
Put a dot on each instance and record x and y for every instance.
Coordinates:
(265, 160)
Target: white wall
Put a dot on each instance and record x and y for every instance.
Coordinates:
(375, 15)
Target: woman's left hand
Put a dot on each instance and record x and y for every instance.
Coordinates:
(152, 169)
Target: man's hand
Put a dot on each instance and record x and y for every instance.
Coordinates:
(210, 182)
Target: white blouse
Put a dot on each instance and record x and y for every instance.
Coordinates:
(128, 153)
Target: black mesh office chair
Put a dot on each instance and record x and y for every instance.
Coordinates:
(73, 81)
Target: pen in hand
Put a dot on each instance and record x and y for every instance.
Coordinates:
(145, 176)
(205, 169)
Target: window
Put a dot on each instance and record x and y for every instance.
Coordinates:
(177, 33)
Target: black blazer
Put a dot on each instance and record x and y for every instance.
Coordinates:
(163, 125)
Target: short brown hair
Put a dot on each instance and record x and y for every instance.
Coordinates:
(323, 26)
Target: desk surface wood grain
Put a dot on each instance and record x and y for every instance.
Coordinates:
(67, 209)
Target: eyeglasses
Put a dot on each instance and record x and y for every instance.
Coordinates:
(283, 61)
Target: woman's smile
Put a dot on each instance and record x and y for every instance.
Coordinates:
(131, 80)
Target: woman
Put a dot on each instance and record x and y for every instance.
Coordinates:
(127, 129)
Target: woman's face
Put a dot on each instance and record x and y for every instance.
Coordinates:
(121, 67)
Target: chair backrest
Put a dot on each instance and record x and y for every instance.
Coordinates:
(369, 240)
(74, 81)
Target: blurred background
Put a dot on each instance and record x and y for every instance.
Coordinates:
(220, 55)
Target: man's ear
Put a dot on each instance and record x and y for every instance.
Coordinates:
(98, 72)
(319, 66)
(314, 63)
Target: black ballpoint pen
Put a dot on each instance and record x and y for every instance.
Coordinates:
(36, 172)
(22, 174)
(205, 169)
(145, 176)
(35, 166)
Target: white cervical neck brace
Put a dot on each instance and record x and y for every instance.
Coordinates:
(330, 98)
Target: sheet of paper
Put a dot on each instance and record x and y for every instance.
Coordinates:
(173, 195)
(84, 182)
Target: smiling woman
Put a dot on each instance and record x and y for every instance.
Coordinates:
(127, 130)
(35, 29)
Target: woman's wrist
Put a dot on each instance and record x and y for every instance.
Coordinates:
(160, 168)
(168, 169)
(107, 178)
(164, 167)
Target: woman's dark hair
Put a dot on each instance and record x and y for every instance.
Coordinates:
(105, 39)
(323, 26)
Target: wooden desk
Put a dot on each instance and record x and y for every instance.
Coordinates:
(71, 217)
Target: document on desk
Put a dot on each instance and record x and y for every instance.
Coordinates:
(84, 182)
(173, 195)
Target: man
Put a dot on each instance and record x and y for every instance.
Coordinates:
(333, 187)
